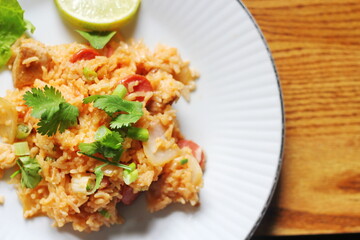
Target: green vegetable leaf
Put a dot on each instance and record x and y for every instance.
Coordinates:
(109, 144)
(123, 114)
(101, 133)
(107, 161)
(112, 104)
(99, 177)
(54, 112)
(125, 120)
(89, 148)
(109, 152)
(97, 39)
(29, 168)
(112, 140)
(92, 98)
(60, 121)
(43, 101)
(12, 26)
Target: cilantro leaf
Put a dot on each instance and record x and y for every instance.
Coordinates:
(97, 39)
(54, 112)
(107, 161)
(108, 144)
(43, 101)
(112, 140)
(112, 104)
(89, 148)
(110, 153)
(29, 169)
(12, 26)
(124, 120)
(92, 98)
(123, 114)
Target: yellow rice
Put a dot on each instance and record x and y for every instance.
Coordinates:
(170, 78)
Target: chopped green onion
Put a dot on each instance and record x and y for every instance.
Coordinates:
(89, 74)
(105, 213)
(23, 131)
(132, 167)
(15, 174)
(120, 91)
(184, 161)
(49, 159)
(141, 134)
(101, 133)
(21, 149)
(130, 177)
(90, 185)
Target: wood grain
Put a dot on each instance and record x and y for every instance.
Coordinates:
(316, 46)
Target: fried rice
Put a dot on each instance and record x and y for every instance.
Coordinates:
(163, 179)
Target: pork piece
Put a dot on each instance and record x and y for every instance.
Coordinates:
(30, 57)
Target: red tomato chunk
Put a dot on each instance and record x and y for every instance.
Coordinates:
(196, 150)
(141, 84)
(84, 54)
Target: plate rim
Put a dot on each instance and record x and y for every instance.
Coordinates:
(281, 154)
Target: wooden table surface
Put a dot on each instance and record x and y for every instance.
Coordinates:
(316, 47)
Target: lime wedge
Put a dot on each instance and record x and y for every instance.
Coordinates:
(8, 121)
(98, 15)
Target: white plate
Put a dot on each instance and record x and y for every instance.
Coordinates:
(236, 114)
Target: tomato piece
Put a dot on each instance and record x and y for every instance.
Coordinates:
(128, 196)
(108, 51)
(142, 84)
(196, 150)
(84, 54)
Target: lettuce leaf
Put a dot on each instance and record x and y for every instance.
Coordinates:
(12, 26)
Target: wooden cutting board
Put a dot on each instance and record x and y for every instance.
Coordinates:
(316, 46)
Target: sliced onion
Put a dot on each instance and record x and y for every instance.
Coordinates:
(80, 183)
(158, 157)
(196, 172)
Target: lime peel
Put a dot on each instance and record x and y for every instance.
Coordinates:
(98, 15)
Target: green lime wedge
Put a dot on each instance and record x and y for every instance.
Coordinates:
(98, 15)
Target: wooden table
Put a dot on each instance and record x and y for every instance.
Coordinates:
(316, 46)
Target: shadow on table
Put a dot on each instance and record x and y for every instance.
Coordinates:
(312, 237)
